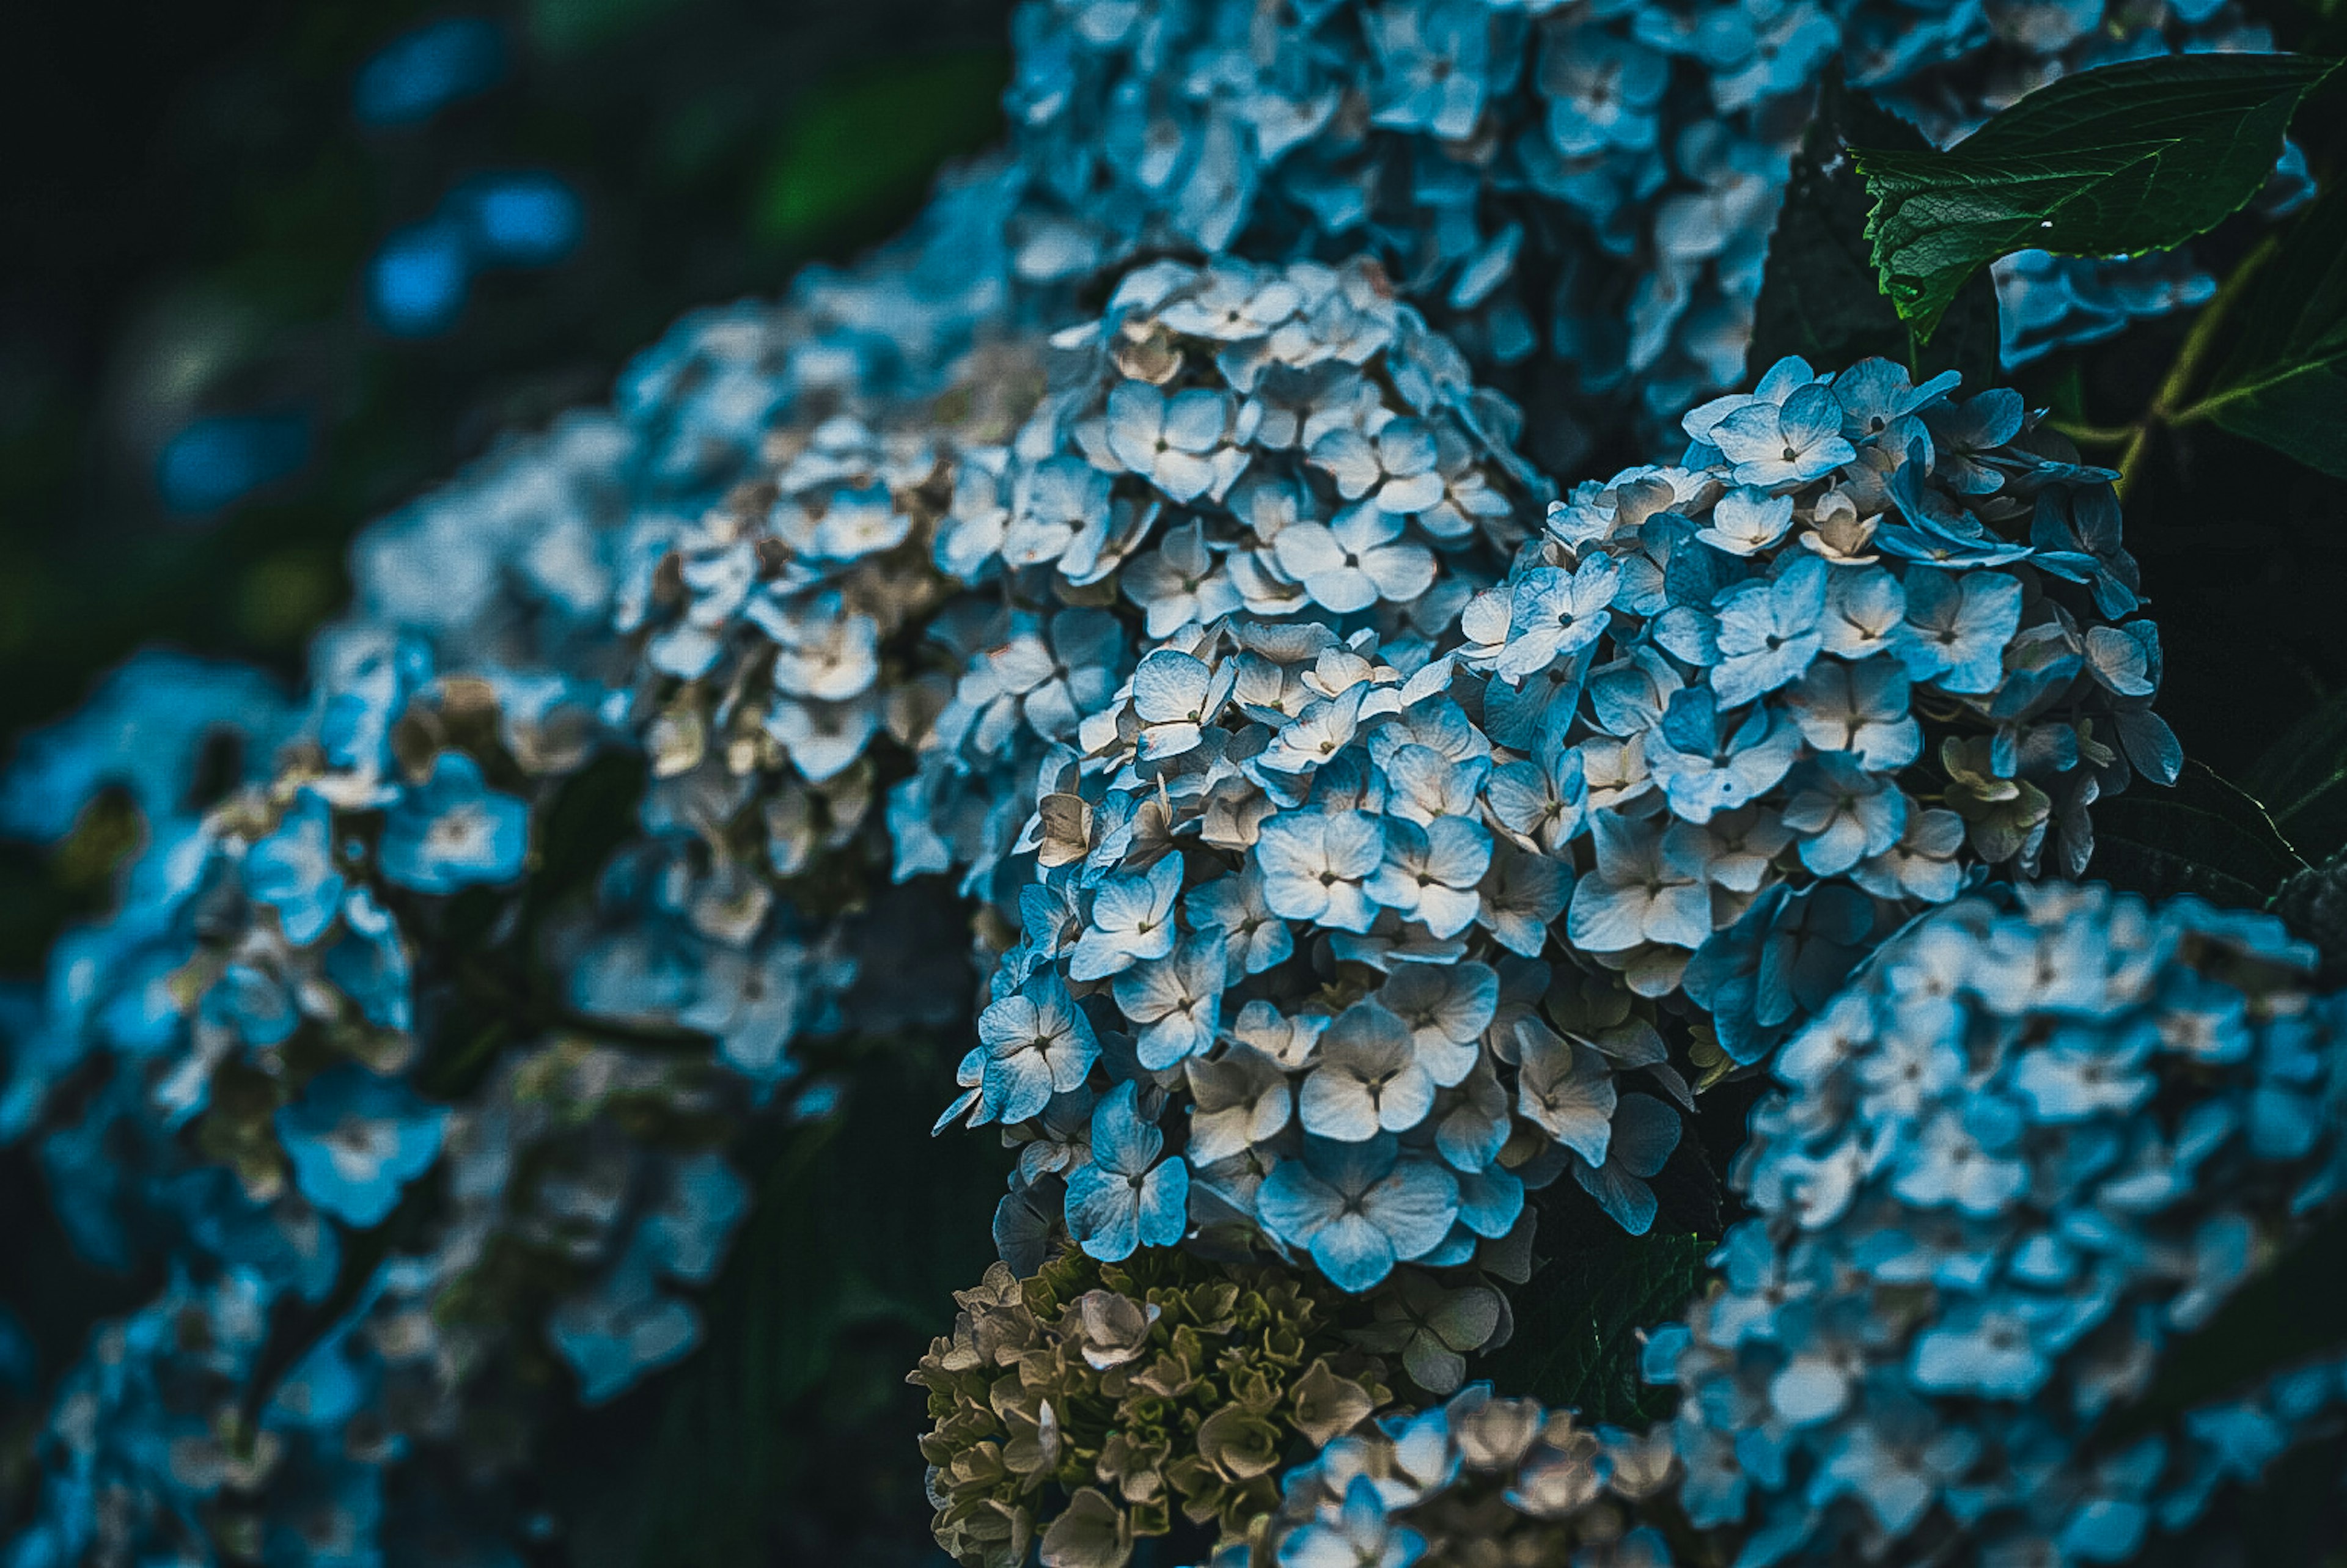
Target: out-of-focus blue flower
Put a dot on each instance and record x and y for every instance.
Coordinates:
(417, 283)
(523, 219)
(454, 831)
(356, 1140)
(145, 727)
(293, 871)
(218, 460)
(626, 1323)
(419, 73)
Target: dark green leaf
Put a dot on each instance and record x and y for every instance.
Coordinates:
(1819, 298)
(2285, 383)
(2302, 780)
(787, 1435)
(2134, 156)
(858, 145)
(2289, 1312)
(1580, 1321)
(2205, 836)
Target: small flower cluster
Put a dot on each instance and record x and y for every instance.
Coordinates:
(1281, 441)
(1478, 1481)
(551, 1214)
(1866, 636)
(776, 628)
(1318, 879)
(2025, 1150)
(1090, 1404)
(167, 1447)
(155, 1455)
(1596, 180)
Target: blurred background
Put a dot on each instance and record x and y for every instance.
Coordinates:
(269, 268)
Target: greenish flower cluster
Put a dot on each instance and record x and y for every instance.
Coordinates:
(1093, 1404)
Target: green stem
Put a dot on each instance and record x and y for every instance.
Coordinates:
(2167, 405)
(2094, 435)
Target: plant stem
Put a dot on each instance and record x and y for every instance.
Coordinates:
(2168, 404)
(2094, 435)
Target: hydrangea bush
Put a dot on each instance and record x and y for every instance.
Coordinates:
(1593, 184)
(1410, 916)
(1357, 830)
(2020, 1155)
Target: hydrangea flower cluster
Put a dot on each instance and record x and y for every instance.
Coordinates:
(1361, 854)
(2028, 1147)
(1599, 180)
(174, 1442)
(777, 626)
(1288, 442)
(277, 1040)
(1401, 930)
(165, 1463)
(1086, 1405)
(1476, 1481)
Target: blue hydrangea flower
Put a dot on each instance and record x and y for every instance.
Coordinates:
(293, 871)
(1964, 1130)
(356, 1140)
(1360, 1207)
(1126, 1197)
(454, 832)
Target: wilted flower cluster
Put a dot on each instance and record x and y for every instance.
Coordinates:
(1401, 929)
(2023, 1152)
(1091, 1404)
(1284, 441)
(1477, 1481)
(1595, 180)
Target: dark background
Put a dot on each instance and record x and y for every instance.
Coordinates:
(188, 207)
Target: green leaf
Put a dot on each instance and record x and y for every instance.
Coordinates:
(1818, 297)
(2302, 780)
(2285, 383)
(1581, 1320)
(2205, 835)
(786, 1436)
(2287, 1313)
(859, 145)
(2135, 156)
